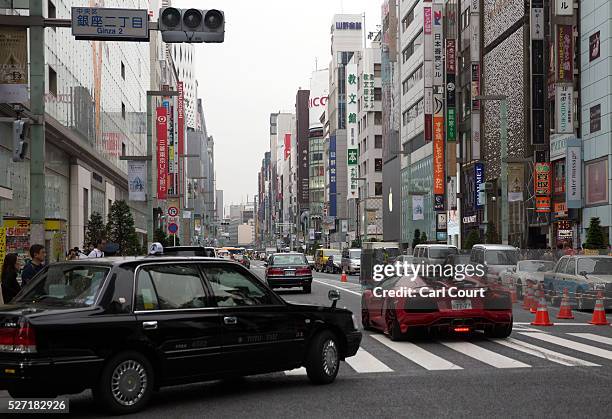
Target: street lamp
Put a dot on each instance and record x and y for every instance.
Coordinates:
(503, 139)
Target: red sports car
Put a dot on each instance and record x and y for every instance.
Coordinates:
(399, 305)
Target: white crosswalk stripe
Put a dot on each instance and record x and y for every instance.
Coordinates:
(484, 355)
(570, 344)
(593, 337)
(417, 354)
(364, 362)
(544, 353)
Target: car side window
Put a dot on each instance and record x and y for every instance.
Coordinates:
(570, 267)
(170, 287)
(561, 266)
(232, 288)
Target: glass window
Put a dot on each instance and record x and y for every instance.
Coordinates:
(232, 288)
(289, 260)
(378, 165)
(378, 141)
(170, 287)
(595, 266)
(378, 188)
(570, 268)
(501, 257)
(561, 265)
(65, 286)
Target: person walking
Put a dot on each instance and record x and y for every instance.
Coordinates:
(10, 286)
(38, 255)
(97, 251)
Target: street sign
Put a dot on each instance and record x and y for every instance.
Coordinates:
(172, 228)
(106, 24)
(352, 156)
(173, 211)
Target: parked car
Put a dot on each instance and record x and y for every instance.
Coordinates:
(496, 258)
(526, 272)
(288, 270)
(351, 261)
(311, 261)
(210, 252)
(126, 327)
(583, 276)
(321, 256)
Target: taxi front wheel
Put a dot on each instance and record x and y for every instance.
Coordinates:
(323, 359)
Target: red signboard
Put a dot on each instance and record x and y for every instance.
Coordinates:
(162, 152)
(438, 155)
(287, 146)
(450, 55)
(181, 131)
(542, 179)
(542, 203)
(565, 53)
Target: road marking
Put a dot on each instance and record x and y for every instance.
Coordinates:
(334, 286)
(591, 336)
(560, 324)
(581, 347)
(544, 353)
(526, 329)
(417, 354)
(364, 362)
(297, 371)
(484, 355)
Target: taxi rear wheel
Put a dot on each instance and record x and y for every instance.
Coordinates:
(126, 383)
(323, 359)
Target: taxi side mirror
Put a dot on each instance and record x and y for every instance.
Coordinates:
(334, 296)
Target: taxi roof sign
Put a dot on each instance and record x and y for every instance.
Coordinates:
(110, 24)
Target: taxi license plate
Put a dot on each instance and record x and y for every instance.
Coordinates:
(461, 304)
(290, 273)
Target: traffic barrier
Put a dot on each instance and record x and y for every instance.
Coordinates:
(343, 278)
(542, 318)
(527, 296)
(534, 301)
(599, 312)
(565, 310)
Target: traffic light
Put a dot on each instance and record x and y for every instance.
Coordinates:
(191, 25)
(20, 144)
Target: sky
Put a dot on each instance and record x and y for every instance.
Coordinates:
(270, 51)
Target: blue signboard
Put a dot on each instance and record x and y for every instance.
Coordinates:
(479, 180)
(332, 176)
(108, 24)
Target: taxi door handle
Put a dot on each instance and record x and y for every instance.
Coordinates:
(230, 320)
(149, 325)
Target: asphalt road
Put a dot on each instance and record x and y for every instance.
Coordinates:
(563, 371)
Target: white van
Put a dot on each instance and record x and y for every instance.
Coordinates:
(497, 258)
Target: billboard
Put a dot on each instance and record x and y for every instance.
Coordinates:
(564, 107)
(573, 177)
(162, 152)
(13, 65)
(317, 102)
(137, 180)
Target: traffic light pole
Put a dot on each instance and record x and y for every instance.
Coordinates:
(37, 143)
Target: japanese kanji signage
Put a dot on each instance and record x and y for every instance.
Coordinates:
(368, 91)
(542, 177)
(439, 180)
(352, 157)
(352, 110)
(564, 7)
(438, 45)
(96, 23)
(332, 176)
(565, 55)
(181, 132)
(162, 152)
(13, 65)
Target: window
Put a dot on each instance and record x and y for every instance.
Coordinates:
(570, 268)
(377, 70)
(378, 141)
(465, 19)
(377, 93)
(52, 81)
(232, 288)
(378, 188)
(407, 20)
(123, 149)
(123, 110)
(123, 70)
(377, 118)
(413, 112)
(412, 79)
(170, 287)
(409, 50)
(378, 166)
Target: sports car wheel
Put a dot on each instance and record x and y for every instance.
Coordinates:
(500, 331)
(393, 327)
(365, 316)
(323, 360)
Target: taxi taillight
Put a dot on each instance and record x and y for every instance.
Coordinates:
(17, 337)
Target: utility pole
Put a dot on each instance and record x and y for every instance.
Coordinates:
(37, 132)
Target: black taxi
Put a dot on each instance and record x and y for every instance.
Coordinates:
(124, 327)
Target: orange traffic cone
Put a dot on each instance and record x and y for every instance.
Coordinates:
(343, 277)
(599, 312)
(565, 311)
(527, 297)
(513, 294)
(542, 318)
(534, 301)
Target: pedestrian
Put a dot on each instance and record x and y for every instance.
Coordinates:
(38, 255)
(72, 255)
(567, 250)
(10, 286)
(97, 250)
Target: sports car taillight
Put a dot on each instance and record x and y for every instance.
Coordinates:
(17, 337)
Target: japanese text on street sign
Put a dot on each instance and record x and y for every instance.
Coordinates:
(110, 24)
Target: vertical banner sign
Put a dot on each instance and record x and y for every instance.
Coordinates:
(332, 176)
(137, 178)
(287, 146)
(13, 65)
(573, 167)
(162, 152)
(475, 86)
(451, 119)
(351, 128)
(476, 136)
(542, 177)
(428, 72)
(418, 211)
(479, 195)
(516, 180)
(564, 7)
(565, 54)
(438, 45)
(181, 133)
(564, 107)
(474, 37)
(538, 72)
(166, 104)
(438, 162)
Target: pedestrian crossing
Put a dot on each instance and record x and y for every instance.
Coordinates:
(524, 350)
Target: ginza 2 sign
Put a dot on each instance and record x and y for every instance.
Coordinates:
(162, 154)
